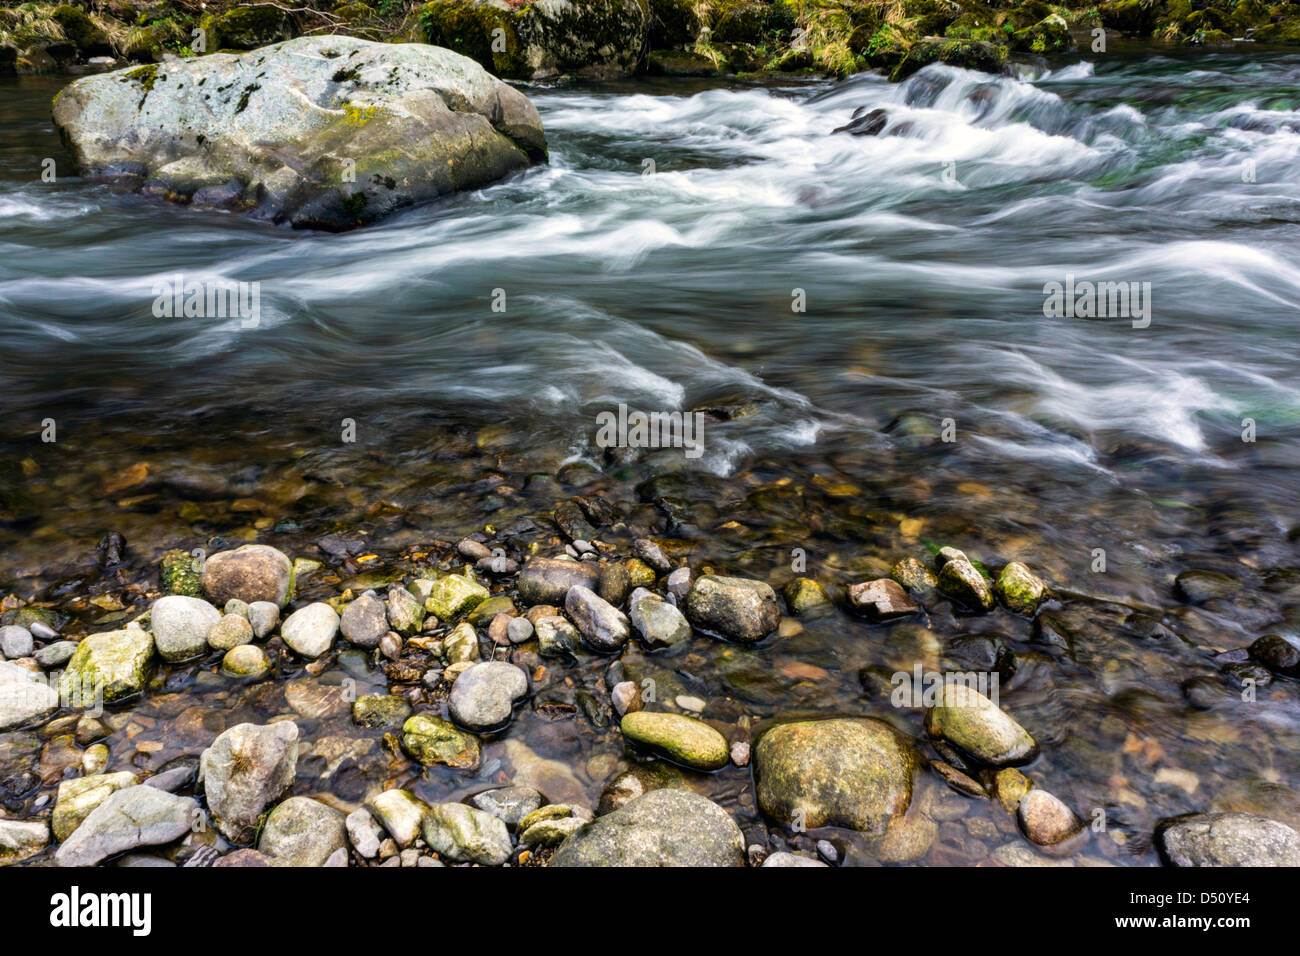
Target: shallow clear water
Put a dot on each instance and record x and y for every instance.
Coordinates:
(922, 254)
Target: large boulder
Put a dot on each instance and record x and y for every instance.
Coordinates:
(534, 39)
(244, 770)
(662, 828)
(1228, 839)
(845, 772)
(326, 132)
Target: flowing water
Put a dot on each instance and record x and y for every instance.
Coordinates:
(840, 305)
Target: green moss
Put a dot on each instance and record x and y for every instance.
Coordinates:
(467, 28)
(144, 75)
(179, 574)
(967, 54)
(81, 29)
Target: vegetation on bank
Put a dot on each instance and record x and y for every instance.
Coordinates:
(525, 39)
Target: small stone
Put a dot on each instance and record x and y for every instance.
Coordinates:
(236, 606)
(604, 628)
(882, 600)
(264, 616)
(302, 832)
(1046, 821)
(462, 833)
(310, 631)
(519, 630)
(667, 827)
(453, 595)
(483, 697)
(652, 554)
(77, 798)
(55, 655)
(1277, 654)
(626, 697)
(556, 637)
(114, 663)
(405, 613)
(785, 858)
(960, 580)
(390, 645)
(365, 621)
(181, 625)
(364, 832)
(659, 624)
(974, 724)
(740, 753)
(20, 840)
(229, 632)
(1020, 589)
(508, 804)
(246, 660)
(806, 598)
(126, 820)
(432, 740)
(738, 609)
(679, 583)
(381, 711)
(16, 642)
(254, 572)
(473, 549)
(400, 813)
(684, 740)
(914, 576)
(247, 768)
(95, 759)
(1010, 786)
(1228, 839)
(548, 580)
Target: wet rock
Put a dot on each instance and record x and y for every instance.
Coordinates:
(881, 600)
(848, 772)
(1020, 589)
(626, 697)
(483, 696)
(665, 827)
(1228, 839)
(242, 858)
(960, 580)
(436, 123)
(365, 620)
(230, 632)
(310, 631)
(659, 624)
(615, 583)
(551, 825)
(405, 613)
(264, 616)
(386, 711)
(254, 572)
(685, 740)
(126, 820)
(604, 627)
(519, 630)
(738, 609)
(247, 768)
(22, 840)
(15, 642)
(79, 796)
(400, 812)
(915, 577)
(1010, 786)
(462, 833)
(432, 740)
(461, 645)
(55, 655)
(508, 804)
(975, 725)
(679, 583)
(302, 832)
(1197, 587)
(453, 595)
(806, 598)
(116, 661)
(24, 697)
(548, 580)
(556, 637)
(1277, 654)
(1046, 821)
(638, 781)
(364, 833)
(246, 660)
(864, 123)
